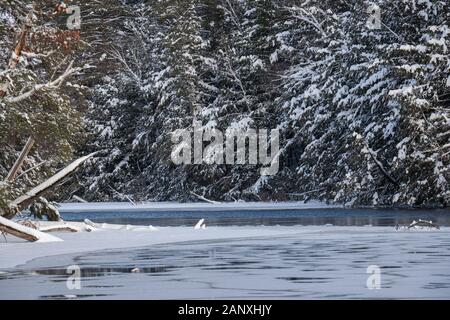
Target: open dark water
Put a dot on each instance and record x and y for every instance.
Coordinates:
(337, 217)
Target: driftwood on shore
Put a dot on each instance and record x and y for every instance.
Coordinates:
(38, 230)
(59, 228)
(24, 232)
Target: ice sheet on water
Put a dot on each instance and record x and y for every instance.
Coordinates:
(314, 262)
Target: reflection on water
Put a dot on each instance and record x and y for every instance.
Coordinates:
(68, 296)
(311, 266)
(96, 272)
(337, 217)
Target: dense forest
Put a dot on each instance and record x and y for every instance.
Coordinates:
(359, 91)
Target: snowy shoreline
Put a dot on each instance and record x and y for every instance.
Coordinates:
(200, 206)
(219, 207)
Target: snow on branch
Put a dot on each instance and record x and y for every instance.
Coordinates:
(120, 57)
(308, 17)
(55, 84)
(373, 155)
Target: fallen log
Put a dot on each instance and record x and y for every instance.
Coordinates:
(118, 227)
(27, 199)
(58, 229)
(53, 226)
(24, 232)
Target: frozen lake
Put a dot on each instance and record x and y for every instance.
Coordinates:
(315, 262)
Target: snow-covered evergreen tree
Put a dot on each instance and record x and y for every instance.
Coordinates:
(367, 103)
(359, 91)
(37, 61)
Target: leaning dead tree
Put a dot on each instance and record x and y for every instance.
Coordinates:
(19, 162)
(21, 203)
(28, 198)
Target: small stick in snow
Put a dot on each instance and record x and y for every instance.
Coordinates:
(200, 225)
(123, 195)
